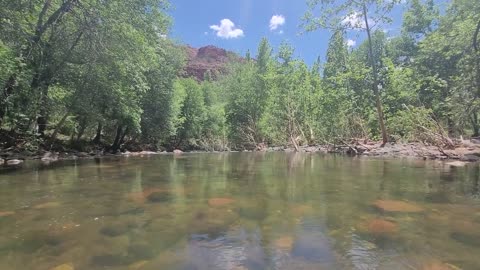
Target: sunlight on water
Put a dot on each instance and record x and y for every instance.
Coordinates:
(240, 211)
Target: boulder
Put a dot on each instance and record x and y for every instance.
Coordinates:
(456, 164)
(470, 158)
(177, 151)
(14, 162)
(49, 157)
(397, 206)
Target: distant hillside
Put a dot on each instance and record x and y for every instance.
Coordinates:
(207, 58)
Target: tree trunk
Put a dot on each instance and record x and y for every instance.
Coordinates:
(82, 127)
(378, 100)
(475, 125)
(7, 91)
(122, 139)
(59, 125)
(98, 136)
(116, 143)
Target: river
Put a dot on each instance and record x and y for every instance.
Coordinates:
(240, 211)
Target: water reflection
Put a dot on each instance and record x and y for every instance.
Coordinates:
(240, 211)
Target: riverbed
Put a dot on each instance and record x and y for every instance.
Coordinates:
(240, 211)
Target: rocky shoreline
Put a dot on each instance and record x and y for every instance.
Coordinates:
(465, 152)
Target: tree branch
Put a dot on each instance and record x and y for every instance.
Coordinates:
(475, 37)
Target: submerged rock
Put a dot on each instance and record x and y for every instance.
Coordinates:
(47, 205)
(67, 266)
(159, 197)
(466, 238)
(439, 266)
(397, 206)
(109, 260)
(211, 221)
(114, 230)
(219, 202)
(137, 265)
(381, 227)
(7, 213)
(285, 243)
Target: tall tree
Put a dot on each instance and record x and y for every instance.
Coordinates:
(362, 15)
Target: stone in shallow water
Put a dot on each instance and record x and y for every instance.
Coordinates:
(381, 227)
(67, 266)
(109, 260)
(466, 238)
(439, 266)
(7, 213)
(159, 197)
(137, 265)
(47, 205)
(285, 243)
(114, 230)
(219, 202)
(397, 206)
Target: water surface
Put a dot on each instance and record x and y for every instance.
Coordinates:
(240, 211)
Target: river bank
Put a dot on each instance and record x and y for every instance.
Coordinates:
(464, 152)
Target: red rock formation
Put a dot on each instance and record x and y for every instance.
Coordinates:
(207, 58)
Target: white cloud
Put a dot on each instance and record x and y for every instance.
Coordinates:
(355, 20)
(276, 21)
(351, 43)
(227, 29)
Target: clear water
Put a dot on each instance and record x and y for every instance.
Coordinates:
(240, 211)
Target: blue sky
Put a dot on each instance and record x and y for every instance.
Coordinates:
(245, 22)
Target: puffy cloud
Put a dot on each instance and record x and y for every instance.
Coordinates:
(351, 43)
(227, 29)
(276, 21)
(355, 20)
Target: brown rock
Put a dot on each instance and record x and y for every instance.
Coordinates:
(141, 197)
(7, 213)
(64, 267)
(137, 265)
(439, 266)
(177, 151)
(381, 227)
(47, 205)
(397, 206)
(209, 58)
(285, 243)
(219, 202)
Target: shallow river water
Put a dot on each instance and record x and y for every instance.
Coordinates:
(240, 211)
